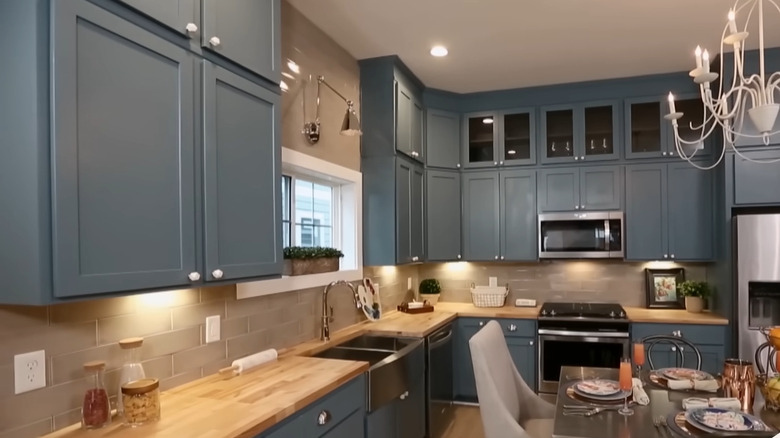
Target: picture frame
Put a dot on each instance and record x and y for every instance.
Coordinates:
(661, 288)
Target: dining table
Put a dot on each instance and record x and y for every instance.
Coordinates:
(642, 424)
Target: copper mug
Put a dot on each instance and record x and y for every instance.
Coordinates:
(739, 380)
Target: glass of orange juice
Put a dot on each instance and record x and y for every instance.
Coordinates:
(639, 358)
(625, 384)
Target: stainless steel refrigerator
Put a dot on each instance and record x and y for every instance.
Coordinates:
(757, 264)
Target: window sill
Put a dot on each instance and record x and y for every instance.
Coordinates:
(287, 284)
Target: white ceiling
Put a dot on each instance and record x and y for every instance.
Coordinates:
(500, 44)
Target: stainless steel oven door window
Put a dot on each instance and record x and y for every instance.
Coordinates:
(559, 348)
(589, 235)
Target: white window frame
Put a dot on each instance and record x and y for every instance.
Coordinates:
(348, 218)
(335, 202)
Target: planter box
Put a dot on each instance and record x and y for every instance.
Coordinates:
(310, 266)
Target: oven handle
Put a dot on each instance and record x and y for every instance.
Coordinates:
(583, 334)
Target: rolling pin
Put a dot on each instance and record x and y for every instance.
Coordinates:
(240, 365)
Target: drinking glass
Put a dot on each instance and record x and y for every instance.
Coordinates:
(639, 358)
(625, 384)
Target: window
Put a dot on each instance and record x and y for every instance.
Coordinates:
(308, 212)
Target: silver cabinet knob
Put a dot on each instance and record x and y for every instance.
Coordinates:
(663, 153)
(530, 342)
(512, 328)
(502, 257)
(576, 207)
(404, 395)
(481, 323)
(496, 257)
(672, 256)
(582, 207)
(194, 276)
(215, 41)
(415, 258)
(582, 157)
(324, 418)
(458, 256)
(458, 165)
(495, 163)
(500, 163)
(666, 256)
(191, 28)
(576, 158)
(217, 274)
(674, 348)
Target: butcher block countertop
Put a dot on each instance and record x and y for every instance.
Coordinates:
(237, 407)
(673, 316)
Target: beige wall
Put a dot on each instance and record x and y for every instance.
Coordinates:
(317, 54)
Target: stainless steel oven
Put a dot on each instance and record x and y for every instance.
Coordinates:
(581, 235)
(583, 346)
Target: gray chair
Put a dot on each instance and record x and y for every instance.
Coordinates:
(509, 408)
(677, 345)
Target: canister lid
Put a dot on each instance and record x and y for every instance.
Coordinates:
(130, 343)
(141, 386)
(95, 365)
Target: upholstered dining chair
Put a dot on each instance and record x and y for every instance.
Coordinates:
(677, 345)
(509, 408)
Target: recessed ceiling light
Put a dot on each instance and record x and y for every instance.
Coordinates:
(487, 120)
(511, 152)
(293, 66)
(439, 51)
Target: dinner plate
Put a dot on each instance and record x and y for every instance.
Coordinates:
(598, 387)
(719, 420)
(684, 374)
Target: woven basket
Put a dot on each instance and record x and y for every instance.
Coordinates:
(310, 266)
(487, 296)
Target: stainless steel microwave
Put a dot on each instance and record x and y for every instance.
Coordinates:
(581, 235)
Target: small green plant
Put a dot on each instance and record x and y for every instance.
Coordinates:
(315, 252)
(430, 286)
(694, 289)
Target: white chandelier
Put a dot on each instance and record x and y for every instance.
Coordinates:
(754, 95)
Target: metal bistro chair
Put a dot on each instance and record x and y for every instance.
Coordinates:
(678, 345)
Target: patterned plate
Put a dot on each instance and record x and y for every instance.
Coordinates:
(681, 427)
(684, 374)
(598, 387)
(717, 419)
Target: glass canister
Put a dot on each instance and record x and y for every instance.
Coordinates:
(141, 400)
(96, 409)
(132, 369)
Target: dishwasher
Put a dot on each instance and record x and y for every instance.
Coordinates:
(439, 380)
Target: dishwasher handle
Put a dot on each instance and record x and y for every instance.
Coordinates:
(439, 339)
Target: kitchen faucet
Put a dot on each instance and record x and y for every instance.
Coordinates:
(328, 317)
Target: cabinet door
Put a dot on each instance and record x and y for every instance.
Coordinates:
(352, 427)
(417, 218)
(601, 128)
(442, 144)
(465, 385)
(403, 205)
(557, 134)
(517, 138)
(523, 352)
(443, 228)
(382, 423)
(646, 135)
(403, 119)
(123, 174)
(246, 32)
(693, 114)
(712, 358)
(480, 138)
(646, 214)
(176, 14)
(518, 215)
(417, 128)
(241, 180)
(751, 180)
(601, 188)
(559, 189)
(690, 199)
(410, 414)
(481, 216)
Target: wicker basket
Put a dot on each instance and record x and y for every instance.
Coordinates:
(489, 296)
(310, 266)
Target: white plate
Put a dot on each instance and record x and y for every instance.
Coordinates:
(700, 419)
(620, 395)
(368, 300)
(684, 374)
(598, 387)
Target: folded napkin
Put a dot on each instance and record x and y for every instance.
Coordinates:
(640, 396)
(695, 403)
(725, 403)
(710, 385)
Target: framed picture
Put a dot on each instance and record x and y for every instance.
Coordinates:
(661, 288)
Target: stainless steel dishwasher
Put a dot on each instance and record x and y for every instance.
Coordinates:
(439, 380)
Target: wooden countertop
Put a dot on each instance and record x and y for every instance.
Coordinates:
(241, 406)
(673, 316)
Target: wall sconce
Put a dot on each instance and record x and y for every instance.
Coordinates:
(349, 127)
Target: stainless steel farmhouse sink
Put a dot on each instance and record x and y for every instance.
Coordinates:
(394, 362)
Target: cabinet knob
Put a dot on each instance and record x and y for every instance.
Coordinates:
(512, 328)
(414, 154)
(582, 207)
(582, 157)
(495, 163)
(215, 41)
(481, 323)
(404, 395)
(576, 207)
(672, 256)
(191, 27)
(194, 276)
(666, 256)
(458, 165)
(502, 257)
(496, 257)
(576, 158)
(500, 163)
(674, 348)
(324, 417)
(415, 258)
(663, 153)
(530, 342)
(458, 256)
(217, 274)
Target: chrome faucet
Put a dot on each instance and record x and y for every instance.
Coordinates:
(327, 316)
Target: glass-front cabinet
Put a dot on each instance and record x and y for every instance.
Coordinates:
(649, 135)
(689, 127)
(499, 138)
(580, 132)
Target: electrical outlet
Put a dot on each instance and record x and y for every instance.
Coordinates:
(212, 329)
(409, 283)
(29, 371)
(492, 281)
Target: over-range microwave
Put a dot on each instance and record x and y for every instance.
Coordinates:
(581, 235)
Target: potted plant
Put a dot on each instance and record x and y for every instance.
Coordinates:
(695, 292)
(430, 289)
(300, 260)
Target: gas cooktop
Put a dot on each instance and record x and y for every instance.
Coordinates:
(590, 311)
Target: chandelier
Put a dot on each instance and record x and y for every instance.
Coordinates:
(754, 94)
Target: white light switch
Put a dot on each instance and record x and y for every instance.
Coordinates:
(409, 283)
(212, 329)
(29, 371)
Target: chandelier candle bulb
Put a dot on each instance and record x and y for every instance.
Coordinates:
(732, 23)
(705, 57)
(697, 52)
(672, 109)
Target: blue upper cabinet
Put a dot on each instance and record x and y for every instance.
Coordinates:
(409, 121)
(504, 138)
(123, 182)
(241, 163)
(518, 215)
(646, 212)
(580, 132)
(580, 188)
(442, 215)
(481, 235)
(179, 15)
(246, 32)
(688, 127)
(645, 128)
(751, 179)
(480, 140)
(442, 145)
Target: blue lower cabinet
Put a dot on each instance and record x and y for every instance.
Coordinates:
(709, 339)
(523, 352)
(334, 415)
(464, 385)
